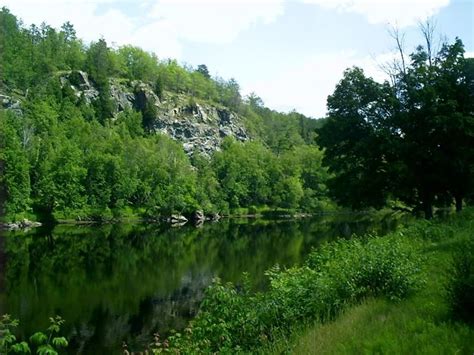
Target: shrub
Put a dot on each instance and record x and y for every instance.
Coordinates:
(461, 285)
(43, 343)
(371, 267)
(232, 319)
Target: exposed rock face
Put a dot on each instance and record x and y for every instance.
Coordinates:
(9, 103)
(200, 126)
(198, 216)
(81, 85)
(24, 224)
(143, 94)
(122, 97)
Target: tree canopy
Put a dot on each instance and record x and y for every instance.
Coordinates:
(411, 140)
(65, 157)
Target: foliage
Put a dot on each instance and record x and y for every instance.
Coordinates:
(380, 326)
(373, 267)
(460, 289)
(68, 158)
(40, 343)
(14, 174)
(410, 139)
(233, 319)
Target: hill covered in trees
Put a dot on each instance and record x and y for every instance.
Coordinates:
(94, 132)
(86, 133)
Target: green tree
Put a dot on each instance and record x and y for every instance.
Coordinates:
(137, 64)
(202, 69)
(14, 171)
(412, 140)
(100, 66)
(60, 186)
(356, 140)
(242, 170)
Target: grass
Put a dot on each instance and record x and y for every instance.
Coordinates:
(420, 324)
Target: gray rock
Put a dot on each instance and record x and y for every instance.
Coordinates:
(24, 224)
(9, 103)
(29, 224)
(123, 99)
(214, 217)
(199, 216)
(9, 226)
(177, 219)
(143, 95)
(199, 126)
(80, 84)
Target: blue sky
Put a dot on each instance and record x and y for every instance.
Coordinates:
(290, 52)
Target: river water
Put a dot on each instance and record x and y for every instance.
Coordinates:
(125, 282)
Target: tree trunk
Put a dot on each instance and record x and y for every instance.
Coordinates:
(427, 205)
(458, 200)
(428, 209)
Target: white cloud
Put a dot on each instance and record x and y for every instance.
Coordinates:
(163, 25)
(307, 85)
(215, 21)
(401, 13)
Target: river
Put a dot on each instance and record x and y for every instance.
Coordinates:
(124, 282)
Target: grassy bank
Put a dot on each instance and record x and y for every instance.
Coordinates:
(424, 322)
(392, 294)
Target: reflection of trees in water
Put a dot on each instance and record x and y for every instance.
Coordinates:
(3, 263)
(122, 282)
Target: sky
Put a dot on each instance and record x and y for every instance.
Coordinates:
(291, 53)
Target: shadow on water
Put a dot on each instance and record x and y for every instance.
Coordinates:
(116, 283)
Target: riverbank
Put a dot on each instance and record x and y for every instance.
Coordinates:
(387, 294)
(77, 271)
(141, 215)
(423, 323)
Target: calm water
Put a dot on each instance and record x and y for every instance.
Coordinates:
(119, 283)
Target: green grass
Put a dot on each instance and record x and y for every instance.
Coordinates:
(419, 324)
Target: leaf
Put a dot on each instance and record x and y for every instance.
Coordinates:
(53, 328)
(8, 338)
(46, 350)
(38, 338)
(60, 342)
(21, 348)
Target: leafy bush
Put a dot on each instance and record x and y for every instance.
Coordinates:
(461, 285)
(44, 343)
(375, 266)
(233, 319)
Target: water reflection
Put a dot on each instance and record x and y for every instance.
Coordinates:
(118, 283)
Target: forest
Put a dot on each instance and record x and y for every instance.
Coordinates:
(383, 153)
(407, 142)
(63, 158)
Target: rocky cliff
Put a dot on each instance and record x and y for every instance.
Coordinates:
(200, 126)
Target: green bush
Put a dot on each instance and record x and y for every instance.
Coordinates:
(374, 266)
(253, 210)
(461, 285)
(47, 343)
(232, 319)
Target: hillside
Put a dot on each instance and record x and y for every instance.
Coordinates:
(200, 125)
(86, 135)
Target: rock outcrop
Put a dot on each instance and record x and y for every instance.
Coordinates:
(81, 85)
(24, 224)
(10, 103)
(200, 126)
